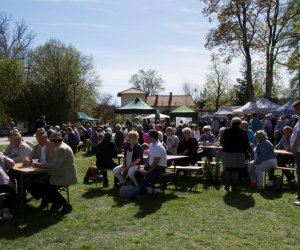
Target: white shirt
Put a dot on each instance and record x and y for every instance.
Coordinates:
(129, 157)
(157, 150)
(296, 129)
(43, 159)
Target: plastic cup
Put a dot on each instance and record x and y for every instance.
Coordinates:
(35, 161)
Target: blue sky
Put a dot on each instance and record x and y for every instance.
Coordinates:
(124, 36)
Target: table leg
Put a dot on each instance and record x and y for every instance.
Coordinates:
(22, 193)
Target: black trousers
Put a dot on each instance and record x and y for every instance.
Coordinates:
(53, 196)
(11, 198)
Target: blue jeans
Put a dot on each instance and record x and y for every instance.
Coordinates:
(297, 161)
(145, 180)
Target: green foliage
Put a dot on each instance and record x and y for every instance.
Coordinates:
(149, 81)
(61, 82)
(12, 86)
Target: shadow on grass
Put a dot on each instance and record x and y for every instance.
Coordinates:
(31, 222)
(271, 195)
(150, 204)
(99, 192)
(239, 200)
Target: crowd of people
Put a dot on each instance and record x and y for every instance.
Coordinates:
(247, 143)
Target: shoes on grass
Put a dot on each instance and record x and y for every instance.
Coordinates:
(66, 209)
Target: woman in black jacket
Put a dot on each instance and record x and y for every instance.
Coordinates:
(105, 152)
(235, 146)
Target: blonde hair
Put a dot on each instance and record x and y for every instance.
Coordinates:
(261, 135)
(133, 134)
(236, 121)
(169, 129)
(187, 129)
(206, 128)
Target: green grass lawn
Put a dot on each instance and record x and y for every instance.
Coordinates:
(207, 218)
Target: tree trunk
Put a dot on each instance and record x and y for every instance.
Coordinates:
(269, 73)
(249, 75)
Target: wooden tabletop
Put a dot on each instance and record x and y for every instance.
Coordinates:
(282, 152)
(169, 157)
(210, 146)
(19, 167)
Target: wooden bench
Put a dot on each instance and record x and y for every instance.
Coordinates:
(2, 196)
(162, 181)
(282, 169)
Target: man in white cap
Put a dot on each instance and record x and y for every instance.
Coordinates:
(62, 172)
(18, 151)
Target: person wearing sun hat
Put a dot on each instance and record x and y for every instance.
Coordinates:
(17, 149)
(62, 172)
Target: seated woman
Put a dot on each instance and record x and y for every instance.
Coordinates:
(7, 186)
(282, 160)
(105, 152)
(133, 157)
(187, 146)
(172, 141)
(264, 159)
(207, 136)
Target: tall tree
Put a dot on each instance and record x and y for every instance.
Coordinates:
(236, 31)
(293, 63)
(11, 85)
(274, 34)
(15, 40)
(188, 89)
(218, 90)
(149, 81)
(61, 74)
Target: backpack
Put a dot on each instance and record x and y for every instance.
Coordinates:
(127, 191)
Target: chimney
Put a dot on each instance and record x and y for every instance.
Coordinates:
(170, 99)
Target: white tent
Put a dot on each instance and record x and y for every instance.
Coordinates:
(261, 106)
(224, 111)
(152, 116)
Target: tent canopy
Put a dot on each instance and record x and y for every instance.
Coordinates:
(85, 117)
(261, 105)
(224, 111)
(183, 110)
(136, 106)
(286, 109)
(161, 116)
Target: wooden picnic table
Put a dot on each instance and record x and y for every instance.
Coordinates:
(26, 171)
(169, 157)
(210, 147)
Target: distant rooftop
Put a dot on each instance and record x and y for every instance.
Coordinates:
(170, 100)
(132, 91)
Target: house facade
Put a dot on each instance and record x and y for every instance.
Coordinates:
(164, 103)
